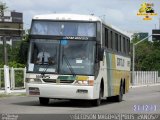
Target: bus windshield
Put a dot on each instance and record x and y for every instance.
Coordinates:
(63, 28)
(43, 56)
(77, 57)
(62, 56)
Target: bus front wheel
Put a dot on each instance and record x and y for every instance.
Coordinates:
(43, 101)
(97, 102)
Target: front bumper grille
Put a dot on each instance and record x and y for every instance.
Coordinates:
(57, 81)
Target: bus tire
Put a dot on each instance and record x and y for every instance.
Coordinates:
(43, 101)
(97, 102)
(119, 97)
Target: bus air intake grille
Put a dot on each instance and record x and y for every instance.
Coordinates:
(50, 80)
(57, 81)
(66, 81)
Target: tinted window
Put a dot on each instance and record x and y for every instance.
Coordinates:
(63, 28)
(106, 37)
(116, 41)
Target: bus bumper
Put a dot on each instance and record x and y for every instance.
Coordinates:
(60, 91)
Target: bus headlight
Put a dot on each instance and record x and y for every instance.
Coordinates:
(86, 82)
(32, 80)
(83, 80)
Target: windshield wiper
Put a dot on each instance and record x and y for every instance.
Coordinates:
(44, 71)
(68, 64)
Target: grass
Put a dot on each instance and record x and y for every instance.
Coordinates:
(3, 95)
(22, 94)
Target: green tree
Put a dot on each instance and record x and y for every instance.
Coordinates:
(17, 54)
(1, 55)
(3, 7)
(23, 50)
(147, 55)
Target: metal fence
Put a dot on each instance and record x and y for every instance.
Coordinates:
(16, 76)
(145, 78)
(158, 79)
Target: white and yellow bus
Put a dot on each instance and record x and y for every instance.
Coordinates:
(86, 59)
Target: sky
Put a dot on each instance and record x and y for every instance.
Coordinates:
(120, 13)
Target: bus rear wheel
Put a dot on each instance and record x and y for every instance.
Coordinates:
(43, 101)
(97, 102)
(119, 97)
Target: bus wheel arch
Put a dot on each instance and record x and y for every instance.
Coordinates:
(97, 101)
(119, 97)
(102, 86)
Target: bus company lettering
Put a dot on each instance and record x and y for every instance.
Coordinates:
(120, 62)
(128, 63)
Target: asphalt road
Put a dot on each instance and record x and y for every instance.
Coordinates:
(138, 100)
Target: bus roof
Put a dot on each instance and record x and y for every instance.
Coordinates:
(74, 17)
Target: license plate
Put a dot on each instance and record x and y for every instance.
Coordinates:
(34, 91)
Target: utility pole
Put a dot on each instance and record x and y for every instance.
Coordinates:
(5, 53)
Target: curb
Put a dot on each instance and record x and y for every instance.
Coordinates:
(13, 91)
(135, 86)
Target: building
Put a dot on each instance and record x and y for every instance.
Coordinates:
(156, 34)
(11, 26)
(12, 16)
(140, 35)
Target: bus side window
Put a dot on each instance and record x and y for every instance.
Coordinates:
(120, 46)
(111, 40)
(106, 38)
(116, 41)
(128, 46)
